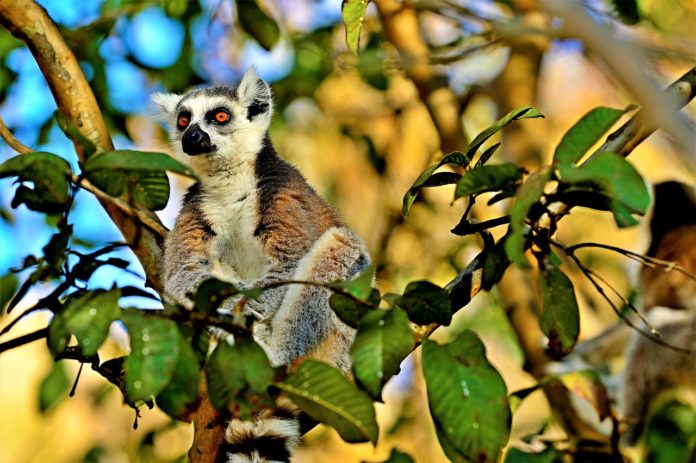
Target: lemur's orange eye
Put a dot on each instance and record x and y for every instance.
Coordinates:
(222, 116)
(183, 121)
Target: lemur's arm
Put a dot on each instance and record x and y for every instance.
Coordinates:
(186, 257)
(304, 322)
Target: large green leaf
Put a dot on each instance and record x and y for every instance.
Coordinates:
(613, 176)
(54, 387)
(88, 317)
(585, 133)
(361, 286)
(136, 160)
(426, 303)
(155, 347)
(327, 396)
(527, 195)
(488, 178)
(353, 15)
(524, 112)
(350, 309)
(181, 394)
(467, 399)
(383, 340)
(669, 434)
(66, 125)
(398, 457)
(236, 368)
(257, 23)
(560, 320)
(455, 158)
(49, 174)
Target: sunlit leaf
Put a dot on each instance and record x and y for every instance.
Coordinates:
(588, 385)
(327, 396)
(488, 178)
(611, 175)
(455, 158)
(181, 394)
(361, 286)
(136, 160)
(154, 354)
(525, 112)
(88, 317)
(382, 342)
(54, 387)
(426, 303)
(467, 399)
(486, 155)
(560, 320)
(585, 133)
(353, 15)
(527, 195)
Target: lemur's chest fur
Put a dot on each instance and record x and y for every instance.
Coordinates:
(230, 206)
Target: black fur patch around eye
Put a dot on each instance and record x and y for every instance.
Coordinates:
(257, 107)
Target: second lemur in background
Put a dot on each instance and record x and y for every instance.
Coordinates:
(253, 220)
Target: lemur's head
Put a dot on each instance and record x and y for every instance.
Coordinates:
(218, 125)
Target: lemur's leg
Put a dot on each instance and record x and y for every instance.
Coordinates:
(186, 258)
(304, 323)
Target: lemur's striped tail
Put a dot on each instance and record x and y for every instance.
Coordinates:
(271, 436)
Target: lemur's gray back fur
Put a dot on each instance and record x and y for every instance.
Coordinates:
(254, 220)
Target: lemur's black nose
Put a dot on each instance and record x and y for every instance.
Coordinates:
(196, 141)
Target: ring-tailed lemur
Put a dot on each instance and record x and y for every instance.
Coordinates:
(253, 220)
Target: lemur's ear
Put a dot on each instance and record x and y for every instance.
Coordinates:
(255, 94)
(165, 105)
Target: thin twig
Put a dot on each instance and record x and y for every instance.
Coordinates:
(11, 141)
(647, 261)
(24, 339)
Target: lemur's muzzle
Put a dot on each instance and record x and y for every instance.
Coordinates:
(196, 141)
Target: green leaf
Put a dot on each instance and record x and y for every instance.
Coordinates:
(8, 286)
(560, 320)
(548, 455)
(585, 133)
(54, 387)
(211, 293)
(494, 265)
(257, 23)
(527, 195)
(361, 286)
(88, 317)
(669, 434)
(181, 395)
(398, 457)
(486, 155)
(426, 303)
(455, 158)
(382, 342)
(353, 15)
(327, 396)
(66, 125)
(611, 175)
(55, 249)
(237, 368)
(525, 112)
(49, 174)
(155, 347)
(467, 398)
(488, 178)
(350, 310)
(136, 160)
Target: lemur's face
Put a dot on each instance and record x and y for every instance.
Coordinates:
(218, 124)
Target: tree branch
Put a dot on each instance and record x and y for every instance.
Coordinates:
(29, 22)
(24, 339)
